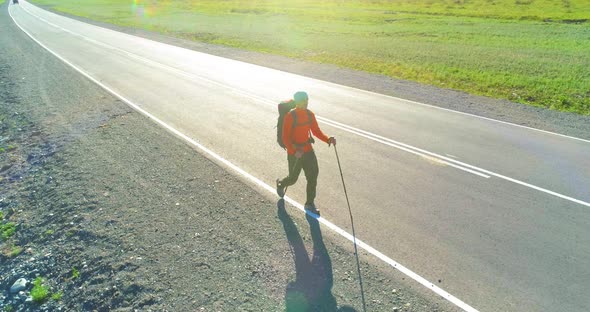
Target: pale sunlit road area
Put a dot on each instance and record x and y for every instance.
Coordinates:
(493, 213)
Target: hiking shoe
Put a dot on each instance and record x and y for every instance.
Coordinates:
(280, 189)
(312, 208)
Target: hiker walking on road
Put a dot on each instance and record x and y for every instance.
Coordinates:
(297, 127)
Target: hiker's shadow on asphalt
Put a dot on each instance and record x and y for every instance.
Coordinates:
(312, 288)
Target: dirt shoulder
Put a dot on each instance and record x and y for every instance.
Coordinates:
(114, 213)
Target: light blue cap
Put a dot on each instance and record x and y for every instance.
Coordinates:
(300, 96)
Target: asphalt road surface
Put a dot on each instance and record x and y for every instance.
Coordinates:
(493, 213)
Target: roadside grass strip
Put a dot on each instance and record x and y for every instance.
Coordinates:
(214, 156)
(531, 52)
(377, 138)
(265, 186)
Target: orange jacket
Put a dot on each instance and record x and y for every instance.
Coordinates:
(299, 135)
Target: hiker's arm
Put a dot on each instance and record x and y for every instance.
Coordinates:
(287, 126)
(315, 129)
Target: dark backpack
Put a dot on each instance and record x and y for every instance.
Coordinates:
(284, 108)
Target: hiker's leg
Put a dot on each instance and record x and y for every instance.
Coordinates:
(295, 166)
(311, 170)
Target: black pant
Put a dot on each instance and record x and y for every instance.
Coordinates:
(309, 163)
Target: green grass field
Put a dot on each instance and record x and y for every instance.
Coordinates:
(530, 51)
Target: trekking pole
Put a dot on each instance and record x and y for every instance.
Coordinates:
(358, 266)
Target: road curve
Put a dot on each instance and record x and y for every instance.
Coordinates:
(496, 214)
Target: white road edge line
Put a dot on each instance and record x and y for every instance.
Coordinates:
(367, 91)
(450, 160)
(263, 185)
(405, 149)
(375, 137)
(463, 113)
(247, 94)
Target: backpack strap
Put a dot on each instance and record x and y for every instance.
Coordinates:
(294, 115)
(309, 121)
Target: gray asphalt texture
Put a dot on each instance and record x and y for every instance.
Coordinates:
(448, 225)
(149, 223)
(561, 122)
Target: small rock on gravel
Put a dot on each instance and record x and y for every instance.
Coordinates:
(19, 285)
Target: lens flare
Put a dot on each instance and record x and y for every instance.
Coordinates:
(141, 9)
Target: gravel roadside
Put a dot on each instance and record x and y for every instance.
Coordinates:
(541, 118)
(114, 213)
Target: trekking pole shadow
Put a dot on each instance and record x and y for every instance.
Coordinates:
(312, 288)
